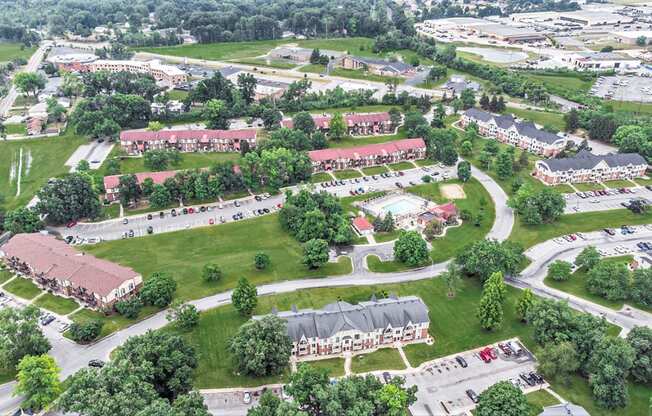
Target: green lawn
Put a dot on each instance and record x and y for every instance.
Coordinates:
(540, 399)
(543, 118)
(363, 75)
(382, 237)
(56, 304)
(25, 101)
(576, 285)
(177, 95)
(374, 170)
(23, 288)
(351, 141)
(188, 161)
(347, 174)
(401, 166)
(382, 359)
(19, 129)
(335, 366)
(372, 108)
(425, 162)
(643, 181)
(5, 275)
(270, 63)
(184, 253)
(619, 184)
(529, 235)
(562, 84)
(321, 177)
(631, 107)
(313, 68)
(376, 265)
(112, 322)
(12, 50)
(45, 157)
(588, 186)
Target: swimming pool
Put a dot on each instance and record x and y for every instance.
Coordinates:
(400, 206)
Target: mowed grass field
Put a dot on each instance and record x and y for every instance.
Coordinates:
(188, 161)
(42, 159)
(542, 118)
(12, 50)
(183, 254)
(562, 83)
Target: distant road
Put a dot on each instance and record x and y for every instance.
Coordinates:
(32, 65)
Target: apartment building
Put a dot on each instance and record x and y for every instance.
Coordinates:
(342, 327)
(168, 74)
(587, 167)
(136, 142)
(55, 266)
(369, 155)
(112, 182)
(363, 124)
(506, 129)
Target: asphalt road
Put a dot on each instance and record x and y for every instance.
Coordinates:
(32, 65)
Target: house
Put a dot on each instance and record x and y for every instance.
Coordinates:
(362, 226)
(587, 167)
(112, 182)
(378, 66)
(564, 409)
(55, 266)
(457, 84)
(369, 155)
(523, 134)
(361, 124)
(342, 327)
(35, 125)
(168, 74)
(135, 142)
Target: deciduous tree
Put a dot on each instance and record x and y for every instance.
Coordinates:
(464, 170)
(261, 261)
(245, 297)
(211, 272)
(185, 315)
(38, 381)
(502, 399)
(315, 253)
(262, 347)
(411, 249)
(640, 339)
(588, 258)
(20, 335)
(559, 270)
(558, 361)
(158, 290)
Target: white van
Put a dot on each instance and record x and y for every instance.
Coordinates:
(516, 347)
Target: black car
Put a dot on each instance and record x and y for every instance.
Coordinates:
(96, 363)
(461, 361)
(202, 209)
(173, 212)
(266, 210)
(235, 217)
(536, 378)
(161, 214)
(150, 229)
(47, 319)
(609, 231)
(527, 379)
(149, 216)
(257, 198)
(131, 233)
(472, 395)
(387, 377)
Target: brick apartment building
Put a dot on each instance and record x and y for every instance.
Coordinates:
(587, 167)
(55, 266)
(369, 155)
(169, 74)
(112, 182)
(365, 124)
(341, 327)
(135, 142)
(506, 129)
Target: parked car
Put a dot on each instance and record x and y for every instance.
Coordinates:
(505, 349)
(125, 221)
(96, 363)
(211, 221)
(173, 212)
(150, 229)
(63, 327)
(515, 347)
(387, 377)
(491, 353)
(485, 357)
(536, 378)
(72, 224)
(47, 320)
(246, 398)
(609, 231)
(527, 379)
(461, 361)
(131, 233)
(472, 395)
(161, 214)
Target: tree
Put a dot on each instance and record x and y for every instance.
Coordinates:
(211, 272)
(609, 280)
(337, 127)
(245, 297)
(608, 370)
(55, 110)
(640, 339)
(158, 160)
(129, 308)
(504, 164)
(641, 287)
(571, 121)
(468, 98)
(154, 126)
(261, 347)
(394, 398)
(68, 199)
(22, 220)
(466, 148)
(217, 114)
(537, 207)
(484, 102)
(502, 399)
(86, 331)
(588, 258)
(315, 253)
(436, 72)
(464, 170)
(185, 316)
(411, 249)
(496, 284)
(158, 290)
(484, 257)
(452, 278)
(29, 82)
(485, 159)
(559, 270)
(490, 309)
(524, 304)
(267, 405)
(552, 321)
(261, 261)
(20, 335)
(641, 41)
(38, 381)
(304, 122)
(160, 197)
(271, 118)
(247, 86)
(129, 189)
(558, 361)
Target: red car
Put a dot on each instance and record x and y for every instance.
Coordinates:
(71, 224)
(211, 221)
(491, 353)
(505, 349)
(191, 210)
(485, 357)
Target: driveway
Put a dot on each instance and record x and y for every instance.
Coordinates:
(94, 153)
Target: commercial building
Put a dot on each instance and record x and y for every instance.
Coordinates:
(595, 18)
(55, 266)
(341, 327)
(364, 124)
(369, 155)
(506, 129)
(378, 66)
(601, 61)
(135, 142)
(587, 167)
(632, 37)
(69, 59)
(511, 34)
(168, 74)
(112, 182)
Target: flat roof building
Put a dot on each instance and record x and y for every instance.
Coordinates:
(169, 74)
(631, 37)
(595, 18)
(600, 61)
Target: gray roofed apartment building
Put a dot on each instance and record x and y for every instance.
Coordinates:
(342, 327)
(507, 129)
(587, 167)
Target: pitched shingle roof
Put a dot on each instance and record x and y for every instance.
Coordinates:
(505, 121)
(528, 129)
(364, 317)
(173, 135)
(113, 181)
(587, 160)
(323, 121)
(379, 149)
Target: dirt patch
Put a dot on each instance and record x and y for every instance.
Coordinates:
(452, 191)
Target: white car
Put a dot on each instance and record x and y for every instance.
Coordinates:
(246, 398)
(63, 327)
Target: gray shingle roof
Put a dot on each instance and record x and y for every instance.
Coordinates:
(565, 409)
(397, 66)
(478, 114)
(587, 160)
(505, 121)
(365, 317)
(529, 129)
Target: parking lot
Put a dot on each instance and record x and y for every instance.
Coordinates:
(624, 88)
(605, 199)
(443, 383)
(233, 402)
